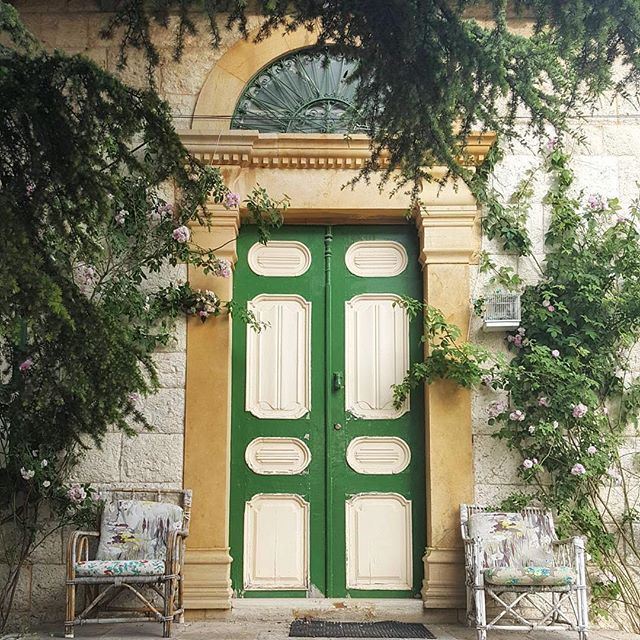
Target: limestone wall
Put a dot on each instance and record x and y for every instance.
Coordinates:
(609, 164)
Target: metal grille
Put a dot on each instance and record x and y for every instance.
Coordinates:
(502, 311)
(324, 629)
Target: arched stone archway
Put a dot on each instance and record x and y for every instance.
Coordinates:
(311, 169)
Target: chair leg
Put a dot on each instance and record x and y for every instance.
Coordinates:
(169, 596)
(71, 611)
(481, 614)
(181, 599)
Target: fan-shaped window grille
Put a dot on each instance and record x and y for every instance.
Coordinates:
(307, 91)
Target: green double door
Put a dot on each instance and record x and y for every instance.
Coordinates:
(328, 477)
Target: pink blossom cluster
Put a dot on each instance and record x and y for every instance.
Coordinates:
(596, 202)
(222, 268)
(579, 410)
(24, 366)
(496, 408)
(181, 234)
(548, 306)
(517, 415)
(121, 216)
(529, 463)
(231, 200)
(85, 276)
(76, 493)
(543, 401)
(578, 469)
(518, 340)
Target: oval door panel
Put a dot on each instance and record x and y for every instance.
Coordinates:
(277, 456)
(376, 258)
(378, 455)
(279, 258)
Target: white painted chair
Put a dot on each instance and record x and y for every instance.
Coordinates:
(515, 560)
(140, 552)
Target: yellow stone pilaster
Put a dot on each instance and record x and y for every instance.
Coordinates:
(208, 426)
(449, 238)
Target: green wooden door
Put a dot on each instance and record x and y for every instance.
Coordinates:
(327, 482)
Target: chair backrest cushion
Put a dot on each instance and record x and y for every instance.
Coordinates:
(509, 541)
(137, 529)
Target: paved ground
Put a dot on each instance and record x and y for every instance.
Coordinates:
(248, 630)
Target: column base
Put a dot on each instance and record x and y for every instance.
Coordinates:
(443, 586)
(207, 579)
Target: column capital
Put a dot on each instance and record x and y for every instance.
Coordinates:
(449, 234)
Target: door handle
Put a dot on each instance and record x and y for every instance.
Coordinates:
(337, 426)
(338, 382)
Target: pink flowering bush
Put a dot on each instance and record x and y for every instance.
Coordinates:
(572, 399)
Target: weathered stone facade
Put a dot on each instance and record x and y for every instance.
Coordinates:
(608, 164)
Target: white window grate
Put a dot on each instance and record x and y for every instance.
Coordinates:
(502, 311)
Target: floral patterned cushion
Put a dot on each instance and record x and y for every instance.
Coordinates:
(137, 530)
(101, 568)
(508, 540)
(526, 576)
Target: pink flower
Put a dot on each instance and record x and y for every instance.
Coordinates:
(517, 340)
(578, 469)
(181, 234)
(543, 401)
(30, 188)
(517, 416)
(46, 484)
(555, 353)
(76, 493)
(23, 367)
(121, 216)
(579, 410)
(528, 463)
(592, 450)
(134, 397)
(521, 330)
(487, 380)
(231, 200)
(496, 408)
(222, 268)
(552, 143)
(596, 202)
(203, 314)
(605, 410)
(545, 303)
(160, 212)
(622, 219)
(551, 308)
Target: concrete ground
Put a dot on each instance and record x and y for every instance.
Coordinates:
(247, 630)
(269, 619)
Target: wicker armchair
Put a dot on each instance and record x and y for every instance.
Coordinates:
(140, 551)
(516, 559)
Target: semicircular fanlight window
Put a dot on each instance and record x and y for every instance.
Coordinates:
(307, 91)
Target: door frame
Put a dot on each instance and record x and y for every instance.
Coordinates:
(312, 169)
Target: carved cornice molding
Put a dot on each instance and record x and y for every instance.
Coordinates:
(253, 149)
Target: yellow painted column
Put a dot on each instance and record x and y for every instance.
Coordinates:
(449, 239)
(208, 427)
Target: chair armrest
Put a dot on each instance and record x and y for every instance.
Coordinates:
(78, 549)
(175, 550)
(569, 551)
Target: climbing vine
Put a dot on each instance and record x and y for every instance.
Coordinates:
(568, 399)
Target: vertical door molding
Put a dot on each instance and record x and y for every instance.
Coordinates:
(208, 426)
(449, 241)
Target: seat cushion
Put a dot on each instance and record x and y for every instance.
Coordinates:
(102, 568)
(527, 576)
(137, 529)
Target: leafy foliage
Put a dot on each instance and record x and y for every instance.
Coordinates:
(87, 165)
(572, 392)
(448, 357)
(431, 72)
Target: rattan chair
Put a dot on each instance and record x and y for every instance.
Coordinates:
(505, 577)
(155, 579)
